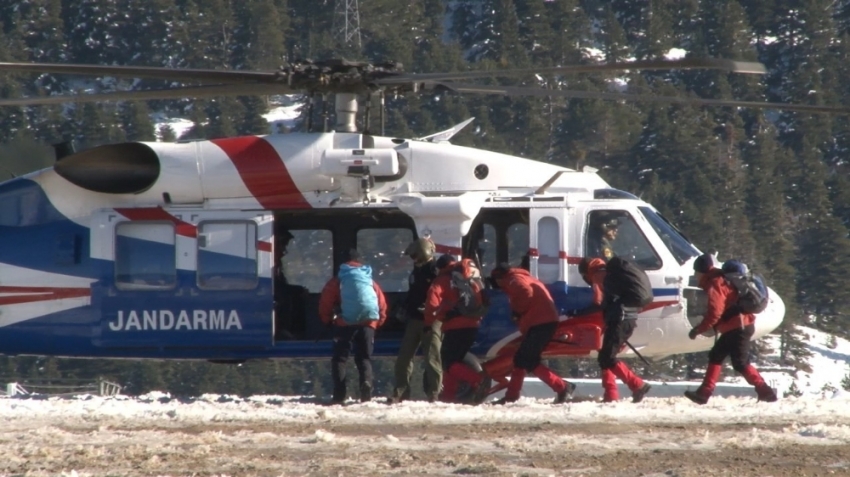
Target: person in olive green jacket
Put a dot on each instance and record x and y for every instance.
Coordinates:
(416, 333)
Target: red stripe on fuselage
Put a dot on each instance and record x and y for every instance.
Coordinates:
(157, 213)
(442, 249)
(263, 172)
(33, 294)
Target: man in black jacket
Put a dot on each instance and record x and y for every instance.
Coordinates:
(416, 334)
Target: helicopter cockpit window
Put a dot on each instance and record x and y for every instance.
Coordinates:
(677, 243)
(227, 255)
(309, 259)
(612, 233)
(145, 256)
(383, 250)
(517, 244)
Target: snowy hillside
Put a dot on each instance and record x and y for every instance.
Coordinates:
(830, 364)
(280, 118)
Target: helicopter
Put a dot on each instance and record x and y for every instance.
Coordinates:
(166, 250)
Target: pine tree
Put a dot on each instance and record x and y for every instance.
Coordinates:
(205, 34)
(535, 31)
(93, 31)
(430, 52)
(658, 27)
(823, 238)
(260, 43)
(252, 121)
(772, 225)
(136, 122)
(616, 47)
(43, 30)
(466, 17)
(199, 119)
(505, 49)
(221, 118)
(166, 133)
(12, 119)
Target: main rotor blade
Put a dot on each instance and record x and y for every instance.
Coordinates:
(731, 66)
(173, 93)
(207, 76)
(539, 92)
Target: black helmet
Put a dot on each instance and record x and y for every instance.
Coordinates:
(705, 262)
(445, 260)
(584, 265)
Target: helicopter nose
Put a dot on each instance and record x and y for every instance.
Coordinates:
(771, 317)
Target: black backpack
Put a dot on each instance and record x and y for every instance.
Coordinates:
(751, 288)
(627, 281)
(466, 279)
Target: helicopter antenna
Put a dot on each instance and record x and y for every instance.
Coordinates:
(540, 190)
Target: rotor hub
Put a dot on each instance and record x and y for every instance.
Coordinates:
(339, 76)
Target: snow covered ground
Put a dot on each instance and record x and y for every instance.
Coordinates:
(158, 434)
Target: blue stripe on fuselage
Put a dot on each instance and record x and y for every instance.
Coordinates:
(35, 235)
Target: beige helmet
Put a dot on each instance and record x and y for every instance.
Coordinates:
(421, 250)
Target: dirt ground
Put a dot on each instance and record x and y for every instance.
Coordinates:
(268, 449)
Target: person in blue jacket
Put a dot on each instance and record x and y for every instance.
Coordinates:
(355, 306)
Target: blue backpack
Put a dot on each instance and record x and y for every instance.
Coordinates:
(358, 299)
(752, 291)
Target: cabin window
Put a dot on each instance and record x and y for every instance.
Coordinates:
(309, 259)
(549, 249)
(517, 243)
(227, 255)
(145, 256)
(613, 233)
(486, 251)
(383, 250)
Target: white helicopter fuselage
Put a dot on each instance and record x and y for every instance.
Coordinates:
(167, 250)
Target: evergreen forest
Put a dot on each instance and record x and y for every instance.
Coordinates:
(770, 187)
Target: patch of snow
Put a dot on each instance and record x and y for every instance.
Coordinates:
(675, 54)
(594, 53)
(283, 118)
(178, 125)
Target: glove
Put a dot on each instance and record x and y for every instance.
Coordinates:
(693, 334)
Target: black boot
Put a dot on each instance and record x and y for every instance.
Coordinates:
(637, 396)
(365, 392)
(696, 397)
(566, 394)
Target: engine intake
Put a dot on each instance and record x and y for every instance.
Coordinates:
(127, 168)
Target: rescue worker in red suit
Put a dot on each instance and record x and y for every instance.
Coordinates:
(620, 323)
(735, 330)
(536, 317)
(459, 333)
(359, 336)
